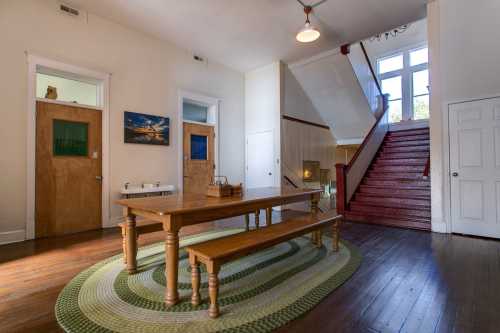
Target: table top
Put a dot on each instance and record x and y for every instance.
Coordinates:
(185, 203)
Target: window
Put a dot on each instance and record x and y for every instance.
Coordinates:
(194, 112)
(199, 147)
(405, 77)
(66, 90)
(70, 138)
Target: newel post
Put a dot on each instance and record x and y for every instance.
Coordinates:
(341, 170)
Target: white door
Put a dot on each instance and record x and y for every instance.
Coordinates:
(260, 159)
(475, 167)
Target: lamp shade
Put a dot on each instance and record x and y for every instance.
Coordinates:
(308, 33)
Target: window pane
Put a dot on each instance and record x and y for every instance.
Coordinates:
(65, 90)
(195, 112)
(390, 64)
(70, 138)
(198, 147)
(421, 107)
(419, 57)
(420, 83)
(395, 111)
(392, 87)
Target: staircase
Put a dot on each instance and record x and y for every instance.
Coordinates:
(394, 190)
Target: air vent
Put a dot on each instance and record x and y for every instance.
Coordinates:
(68, 10)
(198, 58)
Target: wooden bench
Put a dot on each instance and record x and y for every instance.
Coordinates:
(214, 253)
(147, 226)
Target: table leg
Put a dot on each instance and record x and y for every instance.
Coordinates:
(257, 218)
(269, 216)
(247, 222)
(131, 246)
(172, 266)
(314, 210)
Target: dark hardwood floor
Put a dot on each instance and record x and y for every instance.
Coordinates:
(409, 281)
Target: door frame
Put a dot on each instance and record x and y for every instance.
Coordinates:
(213, 107)
(70, 71)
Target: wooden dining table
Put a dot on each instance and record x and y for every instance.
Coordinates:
(177, 211)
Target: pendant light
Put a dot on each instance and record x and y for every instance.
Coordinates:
(308, 33)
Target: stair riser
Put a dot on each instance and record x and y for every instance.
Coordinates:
(407, 138)
(394, 176)
(424, 155)
(389, 222)
(389, 212)
(389, 144)
(405, 149)
(401, 161)
(392, 202)
(398, 168)
(409, 132)
(397, 183)
(394, 192)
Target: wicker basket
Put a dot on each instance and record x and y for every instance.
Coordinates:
(221, 188)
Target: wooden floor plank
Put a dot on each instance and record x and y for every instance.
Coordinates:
(409, 281)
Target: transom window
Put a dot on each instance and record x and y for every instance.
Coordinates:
(405, 77)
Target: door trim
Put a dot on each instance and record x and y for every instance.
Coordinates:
(214, 106)
(102, 79)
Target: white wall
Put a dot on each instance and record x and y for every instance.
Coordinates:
(263, 106)
(146, 76)
(464, 54)
(331, 84)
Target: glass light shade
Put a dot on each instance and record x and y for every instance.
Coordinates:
(308, 34)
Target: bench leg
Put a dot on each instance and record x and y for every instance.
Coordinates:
(195, 280)
(213, 290)
(124, 244)
(319, 239)
(247, 222)
(336, 236)
(269, 216)
(131, 246)
(257, 218)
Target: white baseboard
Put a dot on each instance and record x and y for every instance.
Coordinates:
(439, 227)
(14, 236)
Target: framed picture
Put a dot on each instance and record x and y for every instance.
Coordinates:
(146, 129)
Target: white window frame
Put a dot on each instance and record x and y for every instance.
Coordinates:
(406, 74)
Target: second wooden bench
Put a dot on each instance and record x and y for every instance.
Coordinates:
(214, 253)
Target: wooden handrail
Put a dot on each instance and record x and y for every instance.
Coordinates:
(291, 182)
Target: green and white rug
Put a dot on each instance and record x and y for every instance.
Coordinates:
(258, 293)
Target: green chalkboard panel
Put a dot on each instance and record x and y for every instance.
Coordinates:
(70, 138)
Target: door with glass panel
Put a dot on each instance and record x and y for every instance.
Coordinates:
(198, 157)
(405, 77)
(68, 169)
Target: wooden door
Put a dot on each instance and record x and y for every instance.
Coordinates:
(260, 160)
(68, 169)
(199, 164)
(475, 167)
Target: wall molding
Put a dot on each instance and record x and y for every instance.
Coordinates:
(14, 236)
(305, 122)
(353, 141)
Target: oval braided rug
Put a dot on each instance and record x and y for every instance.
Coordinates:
(258, 293)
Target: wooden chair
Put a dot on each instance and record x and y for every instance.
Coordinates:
(214, 253)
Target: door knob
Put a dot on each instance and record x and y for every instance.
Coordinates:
(270, 173)
(455, 174)
(98, 177)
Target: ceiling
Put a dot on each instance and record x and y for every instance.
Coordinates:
(246, 34)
